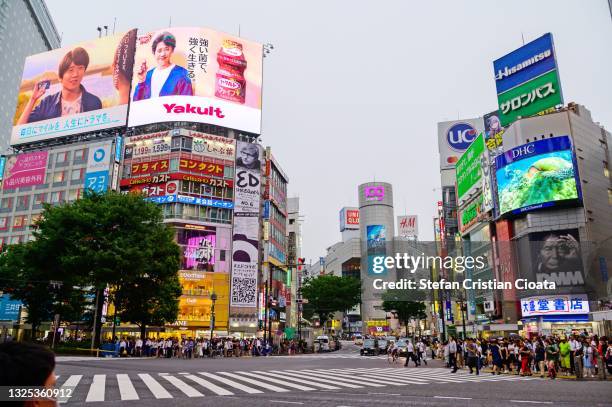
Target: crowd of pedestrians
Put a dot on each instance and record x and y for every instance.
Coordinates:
(190, 348)
(579, 355)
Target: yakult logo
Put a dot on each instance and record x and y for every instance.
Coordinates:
(460, 136)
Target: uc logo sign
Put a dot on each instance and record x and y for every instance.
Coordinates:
(460, 136)
(99, 155)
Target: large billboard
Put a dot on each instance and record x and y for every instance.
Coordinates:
(24, 170)
(376, 241)
(556, 256)
(469, 171)
(408, 225)
(76, 89)
(197, 75)
(555, 305)
(537, 175)
(455, 137)
(245, 250)
(527, 80)
(349, 219)
(98, 166)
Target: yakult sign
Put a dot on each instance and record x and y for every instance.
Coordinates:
(455, 137)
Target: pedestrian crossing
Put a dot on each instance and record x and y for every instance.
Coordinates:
(334, 356)
(143, 386)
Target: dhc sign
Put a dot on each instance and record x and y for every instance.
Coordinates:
(460, 136)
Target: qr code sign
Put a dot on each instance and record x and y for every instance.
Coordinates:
(244, 292)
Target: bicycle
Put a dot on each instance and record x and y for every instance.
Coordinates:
(393, 357)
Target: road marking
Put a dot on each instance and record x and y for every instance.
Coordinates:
(281, 382)
(255, 382)
(285, 402)
(210, 386)
(71, 383)
(386, 378)
(385, 394)
(313, 377)
(158, 391)
(531, 402)
(96, 390)
(295, 379)
(182, 386)
(231, 383)
(454, 398)
(338, 376)
(126, 388)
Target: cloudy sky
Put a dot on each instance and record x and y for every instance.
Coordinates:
(353, 90)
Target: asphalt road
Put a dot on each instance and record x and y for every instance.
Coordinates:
(336, 379)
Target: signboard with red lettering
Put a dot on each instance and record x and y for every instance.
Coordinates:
(150, 167)
(202, 167)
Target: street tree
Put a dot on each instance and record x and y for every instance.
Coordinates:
(328, 294)
(406, 304)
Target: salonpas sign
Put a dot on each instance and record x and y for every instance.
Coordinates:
(527, 80)
(469, 168)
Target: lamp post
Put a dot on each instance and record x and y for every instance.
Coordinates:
(213, 298)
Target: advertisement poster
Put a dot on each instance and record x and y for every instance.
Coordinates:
(24, 170)
(527, 80)
(147, 144)
(197, 75)
(469, 171)
(493, 133)
(536, 175)
(455, 137)
(213, 146)
(198, 249)
(98, 166)
(76, 89)
(376, 239)
(557, 256)
(349, 219)
(245, 251)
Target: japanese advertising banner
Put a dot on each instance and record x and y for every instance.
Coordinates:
(245, 251)
(349, 219)
(198, 249)
(527, 80)
(24, 170)
(147, 144)
(493, 133)
(469, 168)
(408, 225)
(197, 75)
(150, 167)
(76, 89)
(98, 166)
(555, 305)
(455, 137)
(213, 146)
(537, 175)
(202, 167)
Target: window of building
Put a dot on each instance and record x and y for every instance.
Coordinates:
(19, 222)
(6, 203)
(59, 176)
(35, 218)
(57, 197)
(4, 223)
(62, 157)
(79, 155)
(16, 239)
(2, 241)
(40, 198)
(23, 202)
(77, 174)
(75, 194)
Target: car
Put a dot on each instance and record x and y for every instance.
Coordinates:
(322, 343)
(383, 344)
(370, 347)
(358, 340)
(402, 344)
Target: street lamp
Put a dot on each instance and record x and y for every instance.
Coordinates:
(213, 298)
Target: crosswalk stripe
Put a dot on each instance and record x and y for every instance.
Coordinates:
(300, 375)
(210, 386)
(126, 388)
(394, 380)
(72, 381)
(97, 388)
(420, 375)
(255, 382)
(157, 389)
(231, 383)
(336, 376)
(182, 386)
(281, 382)
(295, 379)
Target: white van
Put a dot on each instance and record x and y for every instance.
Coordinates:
(358, 340)
(322, 343)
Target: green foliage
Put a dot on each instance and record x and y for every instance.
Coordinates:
(405, 304)
(328, 294)
(101, 240)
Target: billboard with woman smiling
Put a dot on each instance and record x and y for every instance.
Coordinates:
(81, 88)
(197, 75)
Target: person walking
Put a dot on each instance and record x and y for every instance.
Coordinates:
(452, 354)
(525, 356)
(552, 357)
(540, 356)
(472, 356)
(565, 356)
(496, 357)
(410, 354)
(578, 359)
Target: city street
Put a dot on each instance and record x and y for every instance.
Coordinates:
(341, 378)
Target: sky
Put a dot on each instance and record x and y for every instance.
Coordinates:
(353, 90)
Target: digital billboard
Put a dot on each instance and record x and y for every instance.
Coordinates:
(197, 75)
(454, 138)
(376, 241)
(537, 175)
(527, 80)
(198, 249)
(24, 170)
(468, 168)
(76, 89)
(493, 133)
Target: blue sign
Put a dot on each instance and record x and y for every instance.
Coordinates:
(9, 309)
(460, 136)
(96, 181)
(2, 163)
(524, 64)
(266, 211)
(191, 200)
(118, 146)
(277, 253)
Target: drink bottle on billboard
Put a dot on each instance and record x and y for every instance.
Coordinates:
(230, 83)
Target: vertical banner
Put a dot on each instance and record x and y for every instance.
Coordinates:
(98, 165)
(245, 251)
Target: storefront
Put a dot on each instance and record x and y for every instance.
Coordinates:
(561, 315)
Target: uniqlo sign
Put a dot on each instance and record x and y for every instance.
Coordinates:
(349, 218)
